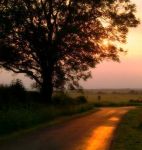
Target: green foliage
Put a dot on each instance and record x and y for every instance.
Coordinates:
(129, 134)
(64, 99)
(20, 117)
(81, 99)
(21, 109)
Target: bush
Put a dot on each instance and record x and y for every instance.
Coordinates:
(14, 93)
(81, 100)
(17, 90)
(62, 99)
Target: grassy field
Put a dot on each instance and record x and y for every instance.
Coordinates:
(115, 96)
(129, 133)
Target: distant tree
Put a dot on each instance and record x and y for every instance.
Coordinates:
(17, 91)
(17, 86)
(55, 42)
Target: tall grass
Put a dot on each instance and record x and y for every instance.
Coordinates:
(17, 118)
(128, 135)
(20, 109)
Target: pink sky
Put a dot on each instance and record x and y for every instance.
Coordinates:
(127, 73)
(108, 74)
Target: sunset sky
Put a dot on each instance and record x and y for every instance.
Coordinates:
(127, 73)
(108, 74)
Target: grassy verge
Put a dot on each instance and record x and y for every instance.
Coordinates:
(129, 133)
(22, 110)
(20, 118)
(53, 122)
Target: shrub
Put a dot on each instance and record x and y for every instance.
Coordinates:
(65, 99)
(17, 91)
(62, 99)
(14, 93)
(81, 100)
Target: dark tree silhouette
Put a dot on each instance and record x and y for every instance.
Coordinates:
(55, 42)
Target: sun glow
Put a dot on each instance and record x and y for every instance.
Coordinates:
(105, 43)
(67, 2)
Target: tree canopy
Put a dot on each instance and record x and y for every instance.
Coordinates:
(56, 42)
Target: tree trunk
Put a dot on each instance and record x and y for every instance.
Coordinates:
(47, 85)
(46, 92)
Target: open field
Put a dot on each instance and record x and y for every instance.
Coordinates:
(115, 96)
(129, 133)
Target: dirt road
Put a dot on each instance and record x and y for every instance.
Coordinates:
(90, 132)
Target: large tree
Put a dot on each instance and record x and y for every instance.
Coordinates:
(55, 42)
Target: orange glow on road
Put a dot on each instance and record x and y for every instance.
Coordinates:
(101, 137)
